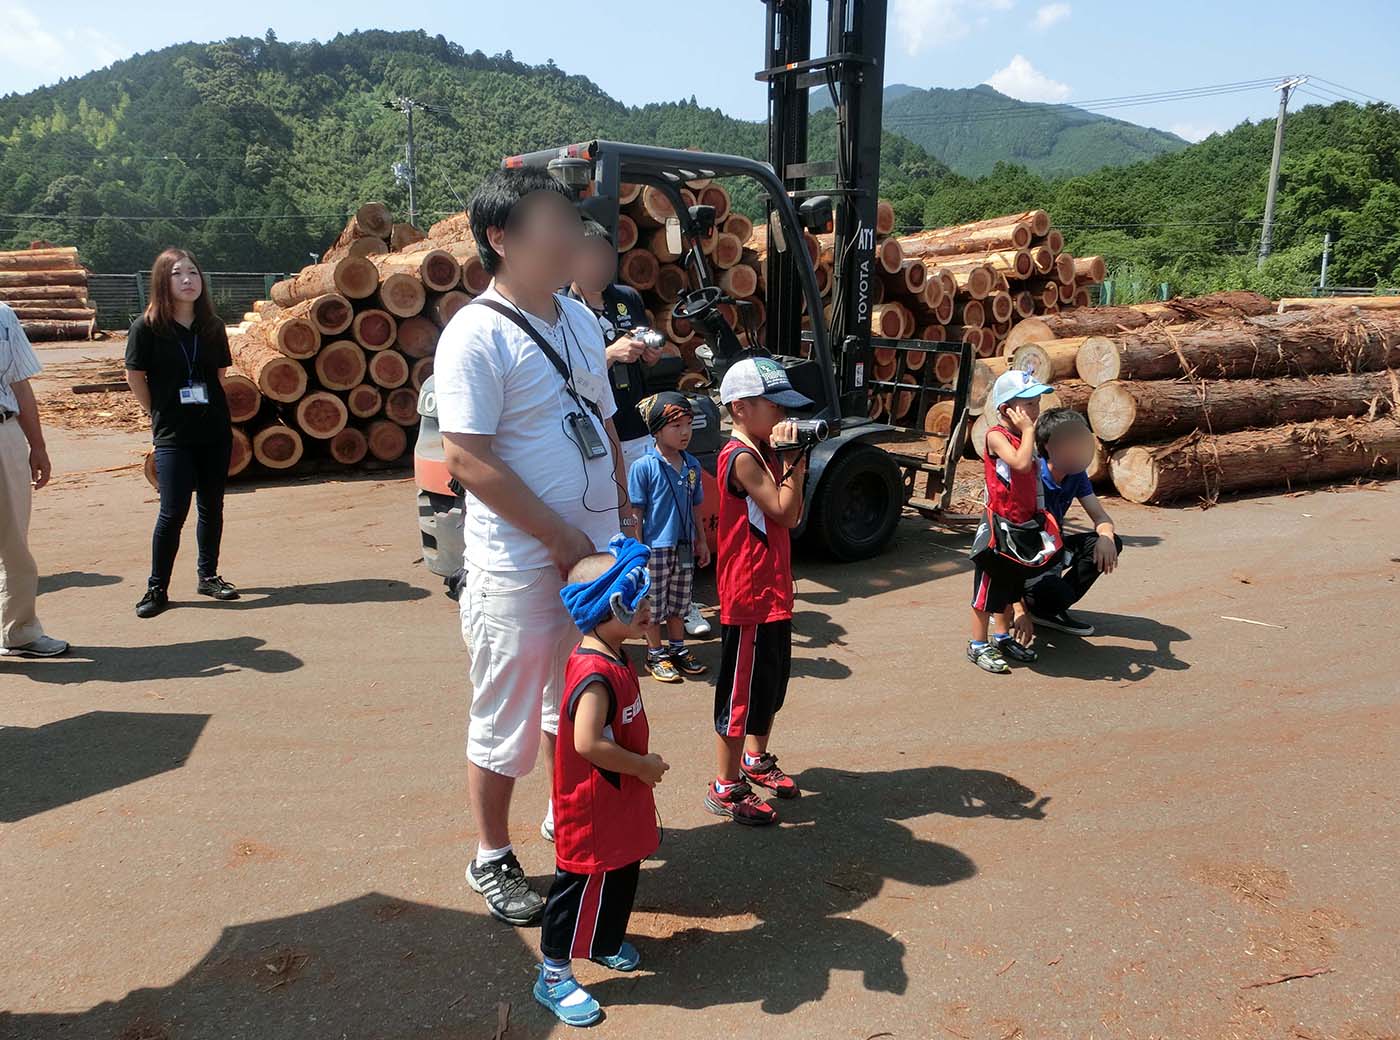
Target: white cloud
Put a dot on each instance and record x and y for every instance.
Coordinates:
(1050, 14)
(32, 54)
(1195, 131)
(1020, 79)
(920, 24)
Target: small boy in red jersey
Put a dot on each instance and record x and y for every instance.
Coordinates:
(760, 501)
(1013, 492)
(604, 814)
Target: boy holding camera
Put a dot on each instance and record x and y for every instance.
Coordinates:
(664, 486)
(760, 501)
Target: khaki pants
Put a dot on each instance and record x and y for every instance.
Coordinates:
(19, 576)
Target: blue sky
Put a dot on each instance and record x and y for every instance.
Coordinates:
(1045, 50)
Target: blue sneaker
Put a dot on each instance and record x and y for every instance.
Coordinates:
(586, 1012)
(625, 959)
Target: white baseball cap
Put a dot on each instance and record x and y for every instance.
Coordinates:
(1013, 384)
(760, 377)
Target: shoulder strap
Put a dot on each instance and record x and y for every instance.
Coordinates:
(548, 351)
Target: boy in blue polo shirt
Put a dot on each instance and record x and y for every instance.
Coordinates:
(665, 485)
(1066, 449)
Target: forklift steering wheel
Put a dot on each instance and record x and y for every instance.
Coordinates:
(699, 304)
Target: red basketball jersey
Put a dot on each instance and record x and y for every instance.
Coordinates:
(753, 555)
(602, 820)
(1011, 494)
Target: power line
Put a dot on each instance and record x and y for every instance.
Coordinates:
(1350, 90)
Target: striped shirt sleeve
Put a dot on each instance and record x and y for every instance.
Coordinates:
(17, 358)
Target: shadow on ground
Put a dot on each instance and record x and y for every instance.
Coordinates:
(724, 916)
(72, 759)
(75, 580)
(318, 594)
(1093, 658)
(197, 659)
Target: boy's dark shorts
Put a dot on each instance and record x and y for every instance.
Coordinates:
(586, 914)
(997, 584)
(754, 664)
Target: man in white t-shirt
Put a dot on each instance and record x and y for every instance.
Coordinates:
(536, 450)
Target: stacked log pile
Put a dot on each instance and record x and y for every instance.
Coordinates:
(973, 283)
(329, 367)
(47, 288)
(1190, 409)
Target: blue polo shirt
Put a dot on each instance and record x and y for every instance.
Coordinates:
(666, 496)
(1059, 497)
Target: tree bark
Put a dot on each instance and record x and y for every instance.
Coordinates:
(1202, 467)
(1282, 344)
(354, 277)
(1135, 412)
(277, 376)
(17, 279)
(243, 397)
(63, 258)
(1107, 321)
(1049, 361)
(17, 294)
(39, 330)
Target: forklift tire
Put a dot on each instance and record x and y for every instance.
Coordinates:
(857, 505)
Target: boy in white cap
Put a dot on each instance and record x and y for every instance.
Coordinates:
(760, 501)
(1013, 492)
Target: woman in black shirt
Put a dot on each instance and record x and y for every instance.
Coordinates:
(175, 354)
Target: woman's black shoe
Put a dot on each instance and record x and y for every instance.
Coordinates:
(216, 588)
(152, 603)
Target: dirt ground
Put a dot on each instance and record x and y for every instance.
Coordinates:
(248, 820)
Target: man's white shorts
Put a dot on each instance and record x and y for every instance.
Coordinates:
(520, 638)
(633, 450)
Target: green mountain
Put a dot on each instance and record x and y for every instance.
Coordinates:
(251, 152)
(1192, 218)
(972, 130)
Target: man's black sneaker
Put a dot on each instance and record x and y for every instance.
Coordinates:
(152, 603)
(1063, 621)
(508, 895)
(216, 588)
(1014, 650)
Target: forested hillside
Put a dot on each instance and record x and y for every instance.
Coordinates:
(972, 130)
(252, 151)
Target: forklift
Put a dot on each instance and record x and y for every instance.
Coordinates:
(858, 481)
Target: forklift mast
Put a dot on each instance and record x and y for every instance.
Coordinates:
(852, 72)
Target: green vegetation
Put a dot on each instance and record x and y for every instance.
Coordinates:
(1192, 219)
(279, 142)
(975, 129)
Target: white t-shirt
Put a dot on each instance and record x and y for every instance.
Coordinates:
(491, 378)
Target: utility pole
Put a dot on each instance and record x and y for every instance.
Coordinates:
(1326, 252)
(408, 172)
(1266, 238)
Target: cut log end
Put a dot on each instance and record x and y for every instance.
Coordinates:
(277, 447)
(240, 455)
(349, 446)
(242, 396)
(1112, 411)
(387, 440)
(340, 365)
(388, 369)
(401, 406)
(1098, 361)
(321, 415)
(364, 401)
(374, 329)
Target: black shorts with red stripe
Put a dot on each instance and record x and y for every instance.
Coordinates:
(586, 914)
(754, 665)
(997, 584)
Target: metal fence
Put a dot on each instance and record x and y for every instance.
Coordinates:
(119, 298)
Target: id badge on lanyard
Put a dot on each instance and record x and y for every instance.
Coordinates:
(193, 392)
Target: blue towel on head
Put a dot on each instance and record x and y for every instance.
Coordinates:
(590, 603)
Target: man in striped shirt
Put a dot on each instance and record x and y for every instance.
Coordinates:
(24, 468)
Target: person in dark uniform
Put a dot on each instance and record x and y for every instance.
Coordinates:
(175, 354)
(620, 309)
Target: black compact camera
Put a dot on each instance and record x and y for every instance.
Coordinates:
(810, 432)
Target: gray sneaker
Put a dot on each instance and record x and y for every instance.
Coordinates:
(695, 623)
(44, 646)
(508, 895)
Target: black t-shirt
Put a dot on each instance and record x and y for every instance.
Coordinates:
(172, 360)
(624, 310)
